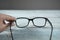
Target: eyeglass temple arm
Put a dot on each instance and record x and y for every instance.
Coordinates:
(11, 30)
(51, 29)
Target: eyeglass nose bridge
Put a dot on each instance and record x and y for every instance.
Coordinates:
(30, 19)
(30, 23)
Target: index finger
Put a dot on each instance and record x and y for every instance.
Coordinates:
(7, 17)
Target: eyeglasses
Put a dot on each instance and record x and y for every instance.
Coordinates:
(39, 22)
(23, 22)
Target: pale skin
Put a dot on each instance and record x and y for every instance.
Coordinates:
(3, 17)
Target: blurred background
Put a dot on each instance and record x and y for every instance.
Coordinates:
(30, 4)
(33, 33)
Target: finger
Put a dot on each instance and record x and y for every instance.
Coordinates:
(6, 25)
(10, 18)
(3, 27)
(7, 17)
(9, 23)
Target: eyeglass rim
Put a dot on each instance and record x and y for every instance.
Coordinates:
(33, 22)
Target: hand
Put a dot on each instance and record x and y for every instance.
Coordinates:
(3, 17)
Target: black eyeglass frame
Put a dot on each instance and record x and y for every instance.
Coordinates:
(46, 19)
(32, 21)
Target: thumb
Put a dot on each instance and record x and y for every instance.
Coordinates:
(6, 25)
